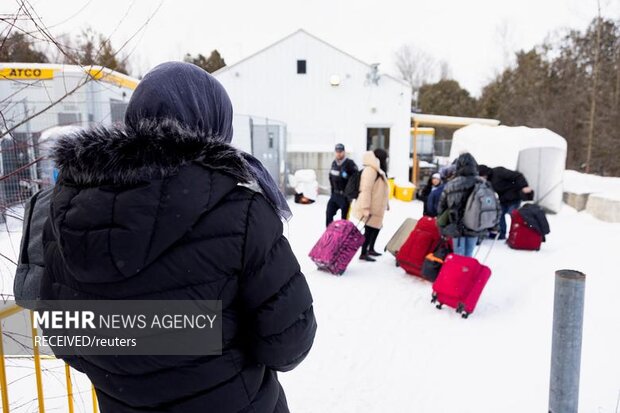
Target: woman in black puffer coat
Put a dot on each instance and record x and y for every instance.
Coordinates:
(454, 199)
(164, 208)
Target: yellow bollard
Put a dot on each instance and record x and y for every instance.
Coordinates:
(3, 383)
(37, 366)
(69, 387)
(95, 404)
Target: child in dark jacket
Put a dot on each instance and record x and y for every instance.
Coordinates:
(433, 198)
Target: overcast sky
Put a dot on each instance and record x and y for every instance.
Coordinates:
(471, 35)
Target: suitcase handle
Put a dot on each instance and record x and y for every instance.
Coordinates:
(486, 257)
(361, 219)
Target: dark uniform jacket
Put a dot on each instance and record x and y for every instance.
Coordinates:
(339, 175)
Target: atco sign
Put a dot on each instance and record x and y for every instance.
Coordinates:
(26, 73)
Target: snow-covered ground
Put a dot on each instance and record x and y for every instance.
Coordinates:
(382, 347)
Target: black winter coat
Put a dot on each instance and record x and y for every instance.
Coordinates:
(159, 214)
(455, 194)
(508, 184)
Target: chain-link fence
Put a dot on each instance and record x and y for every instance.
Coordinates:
(25, 166)
(266, 140)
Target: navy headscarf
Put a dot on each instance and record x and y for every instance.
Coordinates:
(188, 94)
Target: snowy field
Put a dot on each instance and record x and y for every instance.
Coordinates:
(382, 347)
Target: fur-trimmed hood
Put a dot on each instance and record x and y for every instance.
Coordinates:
(120, 155)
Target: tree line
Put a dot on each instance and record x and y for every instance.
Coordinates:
(570, 85)
(86, 48)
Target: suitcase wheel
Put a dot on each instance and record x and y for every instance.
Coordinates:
(439, 306)
(397, 264)
(434, 299)
(465, 314)
(341, 272)
(460, 308)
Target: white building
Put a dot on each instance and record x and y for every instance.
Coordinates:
(324, 96)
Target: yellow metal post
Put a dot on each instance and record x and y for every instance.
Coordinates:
(414, 169)
(69, 387)
(37, 366)
(95, 405)
(3, 383)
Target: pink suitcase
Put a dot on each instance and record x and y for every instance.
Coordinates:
(337, 246)
(460, 283)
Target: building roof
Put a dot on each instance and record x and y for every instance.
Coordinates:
(450, 121)
(302, 31)
(46, 71)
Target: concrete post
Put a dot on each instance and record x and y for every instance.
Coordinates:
(566, 344)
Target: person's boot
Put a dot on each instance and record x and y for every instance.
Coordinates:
(374, 253)
(366, 257)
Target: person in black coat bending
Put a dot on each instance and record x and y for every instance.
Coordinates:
(509, 185)
(165, 208)
(341, 171)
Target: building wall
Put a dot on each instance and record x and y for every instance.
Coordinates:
(89, 104)
(317, 114)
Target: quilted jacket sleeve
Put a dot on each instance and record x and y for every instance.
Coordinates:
(274, 292)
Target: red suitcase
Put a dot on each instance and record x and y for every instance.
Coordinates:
(422, 241)
(460, 283)
(521, 236)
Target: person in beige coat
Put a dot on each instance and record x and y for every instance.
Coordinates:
(372, 201)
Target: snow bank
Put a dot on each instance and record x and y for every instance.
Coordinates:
(580, 183)
(598, 195)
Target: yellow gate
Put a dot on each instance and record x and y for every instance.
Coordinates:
(7, 312)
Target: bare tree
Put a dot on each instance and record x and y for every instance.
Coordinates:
(594, 88)
(445, 72)
(24, 37)
(416, 67)
(505, 38)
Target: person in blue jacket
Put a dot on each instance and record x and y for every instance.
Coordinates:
(433, 198)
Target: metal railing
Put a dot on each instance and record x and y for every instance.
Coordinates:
(37, 357)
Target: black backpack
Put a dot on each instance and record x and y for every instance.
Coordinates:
(352, 190)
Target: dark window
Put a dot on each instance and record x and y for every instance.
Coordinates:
(301, 67)
(68, 118)
(377, 138)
